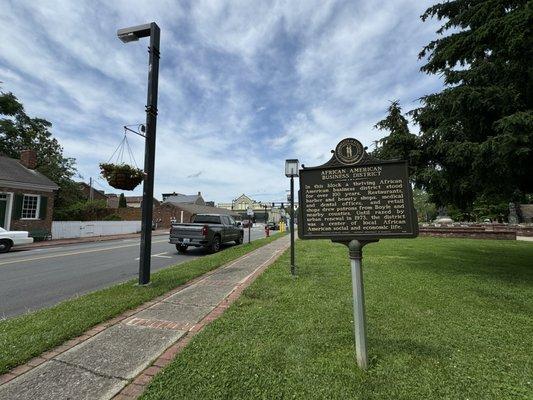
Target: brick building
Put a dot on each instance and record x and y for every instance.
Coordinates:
(26, 195)
(95, 193)
(131, 201)
(182, 212)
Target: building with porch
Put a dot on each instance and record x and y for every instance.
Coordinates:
(26, 195)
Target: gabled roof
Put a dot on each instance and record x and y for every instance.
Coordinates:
(244, 197)
(138, 199)
(199, 209)
(14, 174)
(183, 198)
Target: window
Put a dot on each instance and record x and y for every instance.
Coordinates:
(30, 207)
(207, 219)
(231, 221)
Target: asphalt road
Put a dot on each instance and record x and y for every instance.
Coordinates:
(41, 277)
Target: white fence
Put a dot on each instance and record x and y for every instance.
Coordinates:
(80, 229)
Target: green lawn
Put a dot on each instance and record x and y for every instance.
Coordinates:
(447, 319)
(28, 336)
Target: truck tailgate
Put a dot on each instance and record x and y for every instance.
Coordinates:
(187, 231)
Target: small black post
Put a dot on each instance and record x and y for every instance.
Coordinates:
(249, 228)
(149, 156)
(291, 227)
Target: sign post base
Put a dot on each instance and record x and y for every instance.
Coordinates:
(355, 248)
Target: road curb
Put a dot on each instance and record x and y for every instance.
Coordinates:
(168, 354)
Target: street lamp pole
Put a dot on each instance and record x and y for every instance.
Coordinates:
(291, 170)
(250, 214)
(128, 35)
(291, 225)
(266, 214)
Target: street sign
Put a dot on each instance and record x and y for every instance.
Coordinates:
(250, 212)
(356, 199)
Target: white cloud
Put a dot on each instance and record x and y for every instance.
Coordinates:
(243, 85)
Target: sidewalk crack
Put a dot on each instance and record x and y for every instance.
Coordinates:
(89, 370)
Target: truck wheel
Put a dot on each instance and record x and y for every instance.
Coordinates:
(5, 246)
(215, 246)
(240, 239)
(181, 248)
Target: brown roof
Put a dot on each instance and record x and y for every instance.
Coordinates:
(138, 199)
(12, 172)
(199, 209)
(184, 198)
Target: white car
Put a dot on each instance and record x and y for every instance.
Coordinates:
(9, 239)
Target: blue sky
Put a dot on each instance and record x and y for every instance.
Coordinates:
(243, 84)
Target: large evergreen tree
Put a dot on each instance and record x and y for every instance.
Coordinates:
(18, 131)
(477, 134)
(399, 143)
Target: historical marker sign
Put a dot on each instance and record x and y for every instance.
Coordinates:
(355, 199)
(369, 201)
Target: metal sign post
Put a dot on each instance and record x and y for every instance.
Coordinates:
(355, 199)
(359, 314)
(250, 214)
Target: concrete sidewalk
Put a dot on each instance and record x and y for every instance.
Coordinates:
(120, 358)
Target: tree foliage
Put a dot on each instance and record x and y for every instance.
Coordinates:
(122, 201)
(425, 209)
(18, 131)
(85, 210)
(477, 134)
(399, 143)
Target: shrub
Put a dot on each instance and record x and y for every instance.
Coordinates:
(112, 217)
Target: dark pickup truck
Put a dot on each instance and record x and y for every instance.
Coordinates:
(206, 230)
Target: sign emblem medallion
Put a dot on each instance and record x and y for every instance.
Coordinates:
(349, 151)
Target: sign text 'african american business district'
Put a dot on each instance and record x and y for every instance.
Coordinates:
(370, 199)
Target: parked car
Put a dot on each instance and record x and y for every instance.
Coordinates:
(206, 230)
(272, 226)
(8, 239)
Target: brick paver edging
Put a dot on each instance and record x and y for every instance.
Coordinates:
(53, 353)
(135, 389)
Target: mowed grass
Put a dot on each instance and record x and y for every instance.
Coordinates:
(446, 319)
(27, 336)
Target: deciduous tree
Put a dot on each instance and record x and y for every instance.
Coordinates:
(18, 131)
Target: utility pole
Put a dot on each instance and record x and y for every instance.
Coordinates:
(91, 193)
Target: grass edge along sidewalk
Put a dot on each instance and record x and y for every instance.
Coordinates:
(447, 319)
(24, 337)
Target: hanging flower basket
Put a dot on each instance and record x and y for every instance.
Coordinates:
(122, 176)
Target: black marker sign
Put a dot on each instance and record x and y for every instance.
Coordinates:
(367, 201)
(356, 199)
